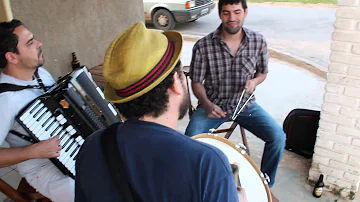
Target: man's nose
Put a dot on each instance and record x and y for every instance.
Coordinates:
(39, 44)
(232, 16)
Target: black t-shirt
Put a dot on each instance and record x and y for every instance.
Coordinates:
(162, 164)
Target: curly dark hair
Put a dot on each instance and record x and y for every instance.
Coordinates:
(153, 103)
(8, 40)
(225, 2)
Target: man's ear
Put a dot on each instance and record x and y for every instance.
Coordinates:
(246, 12)
(177, 88)
(11, 57)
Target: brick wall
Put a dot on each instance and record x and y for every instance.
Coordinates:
(337, 148)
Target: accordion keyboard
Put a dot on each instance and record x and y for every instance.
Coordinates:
(43, 123)
(72, 109)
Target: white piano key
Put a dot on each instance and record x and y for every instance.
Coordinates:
(29, 118)
(72, 132)
(78, 139)
(62, 133)
(68, 159)
(44, 136)
(36, 123)
(68, 153)
(31, 122)
(43, 131)
(65, 153)
(70, 163)
(62, 153)
(69, 128)
(63, 121)
(58, 118)
(39, 125)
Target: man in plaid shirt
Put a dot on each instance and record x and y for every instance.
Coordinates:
(224, 63)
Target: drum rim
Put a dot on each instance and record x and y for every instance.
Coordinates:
(228, 142)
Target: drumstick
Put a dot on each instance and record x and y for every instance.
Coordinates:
(237, 106)
(235, 171)
(244, 105)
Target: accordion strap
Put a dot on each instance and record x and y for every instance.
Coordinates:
(22, 136)
(39, 80)
(4, 87)
(116, 164)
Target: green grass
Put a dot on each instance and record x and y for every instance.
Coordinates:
(297, 1)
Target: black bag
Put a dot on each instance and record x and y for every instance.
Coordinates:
(300, 127)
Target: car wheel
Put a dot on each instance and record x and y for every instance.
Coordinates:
(193, 20)
(163, 20)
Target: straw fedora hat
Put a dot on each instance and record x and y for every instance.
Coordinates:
(138, 60)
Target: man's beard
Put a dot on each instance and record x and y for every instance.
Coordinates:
(184, 105)
(41, 60)
(232, 30)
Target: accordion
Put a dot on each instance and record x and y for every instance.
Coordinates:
(73, 109)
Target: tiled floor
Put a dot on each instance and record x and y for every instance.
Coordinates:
(9, 175)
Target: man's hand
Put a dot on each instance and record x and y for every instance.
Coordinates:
(250, 86)
(214, 111)
(241, 194)
(46, 149)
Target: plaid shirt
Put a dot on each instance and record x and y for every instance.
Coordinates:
(225, 75)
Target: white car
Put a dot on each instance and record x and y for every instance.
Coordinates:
(164, 14)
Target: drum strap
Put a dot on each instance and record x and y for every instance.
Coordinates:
(116, 165)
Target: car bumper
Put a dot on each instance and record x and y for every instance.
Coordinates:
(193, 14)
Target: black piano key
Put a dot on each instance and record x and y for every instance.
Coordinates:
(62, 137)
(42, 115)
(33, 109)
(76, 154)
(64, 145)
(52, 123)
(73, 141)
(55, 132)
(44, 124)
(72, 154)
(37, 113)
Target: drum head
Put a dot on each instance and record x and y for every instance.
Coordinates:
(250, 176)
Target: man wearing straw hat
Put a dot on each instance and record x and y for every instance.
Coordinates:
(147, 85)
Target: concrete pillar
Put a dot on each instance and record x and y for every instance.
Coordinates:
(5, 10)
(86, 27)
(337, 149)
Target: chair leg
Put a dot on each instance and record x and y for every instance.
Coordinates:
(243, 136)
(229, 132)
(11, 192)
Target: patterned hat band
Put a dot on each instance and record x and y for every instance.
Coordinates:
(148, 79)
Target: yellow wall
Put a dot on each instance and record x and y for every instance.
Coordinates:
(5, 10)
(83, 26)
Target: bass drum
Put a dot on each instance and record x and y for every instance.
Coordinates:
(251, 178)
